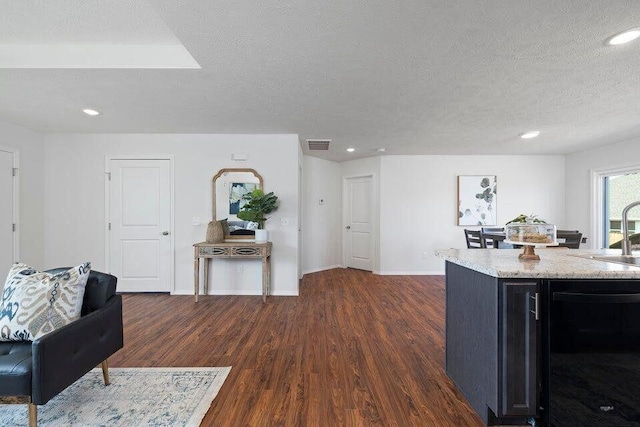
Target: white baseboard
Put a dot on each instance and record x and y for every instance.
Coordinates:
(386, 273)
(315, 270)
(412, 273)
(241, 293)
(286, 294)
(221, 292)
(224, 292)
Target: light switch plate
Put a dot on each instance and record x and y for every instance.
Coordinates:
(195, 220)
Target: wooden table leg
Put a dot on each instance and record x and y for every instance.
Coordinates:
(33, 415)
(205, 285)
(196, 275)
(265, 275)
(269, 276)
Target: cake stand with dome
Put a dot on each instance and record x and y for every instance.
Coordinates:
(530, 235)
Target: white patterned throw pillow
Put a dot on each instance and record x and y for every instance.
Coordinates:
(35, 303)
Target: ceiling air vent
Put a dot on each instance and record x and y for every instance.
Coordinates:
(318, 144)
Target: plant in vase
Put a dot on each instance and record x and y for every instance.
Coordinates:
(527, 219)
(255, 210)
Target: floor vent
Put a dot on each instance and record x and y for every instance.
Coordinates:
(318, 144)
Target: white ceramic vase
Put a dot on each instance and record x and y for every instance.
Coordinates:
(262, 236)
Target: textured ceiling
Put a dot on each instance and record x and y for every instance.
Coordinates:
(412, 76)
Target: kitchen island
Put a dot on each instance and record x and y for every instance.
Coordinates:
(498, 324)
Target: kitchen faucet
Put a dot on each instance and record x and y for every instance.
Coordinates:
(626, 243)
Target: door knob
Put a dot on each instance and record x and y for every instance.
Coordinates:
(348, 227)
(165, 233)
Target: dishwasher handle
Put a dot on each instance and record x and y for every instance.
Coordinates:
(596, 298)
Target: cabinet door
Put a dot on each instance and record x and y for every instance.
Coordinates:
(519, 349)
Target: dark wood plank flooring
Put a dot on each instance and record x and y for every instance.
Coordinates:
(354, 349)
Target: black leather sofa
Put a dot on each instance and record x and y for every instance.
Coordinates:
(34, 372)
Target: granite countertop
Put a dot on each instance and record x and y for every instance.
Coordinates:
(555, 263)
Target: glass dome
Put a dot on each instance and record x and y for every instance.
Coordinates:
(531, 234)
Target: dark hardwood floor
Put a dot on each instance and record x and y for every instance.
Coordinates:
(354, 349)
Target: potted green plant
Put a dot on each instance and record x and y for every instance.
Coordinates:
(258, 205)
(531, 219)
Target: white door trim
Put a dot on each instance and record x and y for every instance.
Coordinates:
(596, 201)
(107, 206)
(300, 217)
(375, 215)
(15, 201)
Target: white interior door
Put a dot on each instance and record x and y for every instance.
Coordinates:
(358, 227)
(6, 214)
(140, 218)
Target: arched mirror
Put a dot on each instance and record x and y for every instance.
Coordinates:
(229, 185)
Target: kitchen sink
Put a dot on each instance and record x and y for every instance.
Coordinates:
(620, 259)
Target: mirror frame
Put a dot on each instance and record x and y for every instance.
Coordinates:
(213, 192)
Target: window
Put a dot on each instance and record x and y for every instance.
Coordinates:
(618, 190)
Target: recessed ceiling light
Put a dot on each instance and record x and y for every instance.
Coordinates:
(381, 150)
(351, 150)
(90, 112)
(624, 37)
(530, 134)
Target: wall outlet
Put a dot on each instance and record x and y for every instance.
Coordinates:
(196, 220)
(425, 255)
(240, 268)
(284, 221)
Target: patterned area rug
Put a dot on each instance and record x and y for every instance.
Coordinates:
(136, 397)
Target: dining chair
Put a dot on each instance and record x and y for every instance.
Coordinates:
(569, 238)
(584, 239)
(490, 242)
(474, 239)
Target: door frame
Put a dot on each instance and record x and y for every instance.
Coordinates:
(107, 207)
(15, 200)
(596, 198)
(375, 214)
(300, 217)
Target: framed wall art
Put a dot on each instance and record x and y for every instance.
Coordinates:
(477, 200)
(236, 191)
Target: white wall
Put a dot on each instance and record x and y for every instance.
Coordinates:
(579, 206)
(418, 197)
(29, 144)
(321, 223)
(74, 182)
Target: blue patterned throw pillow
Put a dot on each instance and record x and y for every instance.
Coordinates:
(35, 303)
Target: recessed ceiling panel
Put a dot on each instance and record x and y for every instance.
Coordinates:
(87, 34)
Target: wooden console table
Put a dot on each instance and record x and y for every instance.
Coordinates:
(236, 250)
